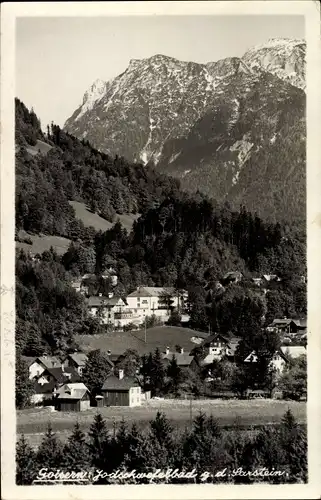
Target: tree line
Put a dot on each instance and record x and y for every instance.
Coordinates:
(203, 447)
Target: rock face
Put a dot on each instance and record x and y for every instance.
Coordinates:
(235, 128)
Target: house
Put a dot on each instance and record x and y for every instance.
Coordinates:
(112, 311)
(121, 391)
(285, 325)
(77, 360)
(43, 393)
(41, 363)
(218, 347)
(183, 360)
(278, 361)
(232, 277)
(111, 275)
(50, 379)
(270, 277)
(76, 285)
(158, 301)
(72, 397)
(251, 358)
(58, 375)
(294, 351)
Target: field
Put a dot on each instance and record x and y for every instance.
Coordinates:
(160, 336)
(100, 224)
(41, 147)
(245, 413)
(43, 243)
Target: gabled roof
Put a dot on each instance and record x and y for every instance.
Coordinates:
(28, 359)
(232, 342)
(49, 361)
(94, 301)
(294, 351)
(88, 276)
(61, 375)
(151, 291)
(45, 388)
(79, 358)
(283, 321)
(251, 358)
(115, 383)
(213, 337)
(72, 391)
(233, 275)
(301, 323)
(269, 277)
(181, 358)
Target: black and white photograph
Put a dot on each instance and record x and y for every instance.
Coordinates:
(161, 229)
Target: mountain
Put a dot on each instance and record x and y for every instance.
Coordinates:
(234, 129)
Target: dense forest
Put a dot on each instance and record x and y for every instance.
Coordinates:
(181, 240)
(204, 449)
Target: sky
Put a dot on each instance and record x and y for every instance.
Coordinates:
(58, 59)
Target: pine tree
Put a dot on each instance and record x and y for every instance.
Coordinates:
(175, 374)
(95, 372)
(157, 374)
(25, 462)
(76, 452)
(293, 441)
(24, 386)
(50, 450)
(120, 445)
(98, 441)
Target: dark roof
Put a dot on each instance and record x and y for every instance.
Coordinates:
(114, 383)
(49, 361)
(45, 388)
(181, 359)
(79, 358)
(61, 375)
(213, 337)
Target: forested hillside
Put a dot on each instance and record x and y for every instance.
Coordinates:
(181, 240)
(73, 170)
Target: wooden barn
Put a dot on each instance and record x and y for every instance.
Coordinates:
(72, 397)
(121, 391)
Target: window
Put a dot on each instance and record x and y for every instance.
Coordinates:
(145, 301)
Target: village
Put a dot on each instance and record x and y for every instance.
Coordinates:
(58, 383)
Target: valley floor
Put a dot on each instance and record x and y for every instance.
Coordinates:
(244, 413)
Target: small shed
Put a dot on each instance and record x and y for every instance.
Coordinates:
(99, 401)
(72, 397)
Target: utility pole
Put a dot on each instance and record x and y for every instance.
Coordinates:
(145, 331)
(190, 411)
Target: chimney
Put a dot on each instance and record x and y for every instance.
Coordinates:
(167, 350)
(182, 350)
(120, 374)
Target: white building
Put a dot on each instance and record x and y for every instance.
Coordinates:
(112, 311)
(158, 301)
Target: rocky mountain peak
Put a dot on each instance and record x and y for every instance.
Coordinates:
(282, 57)
(204, 123)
